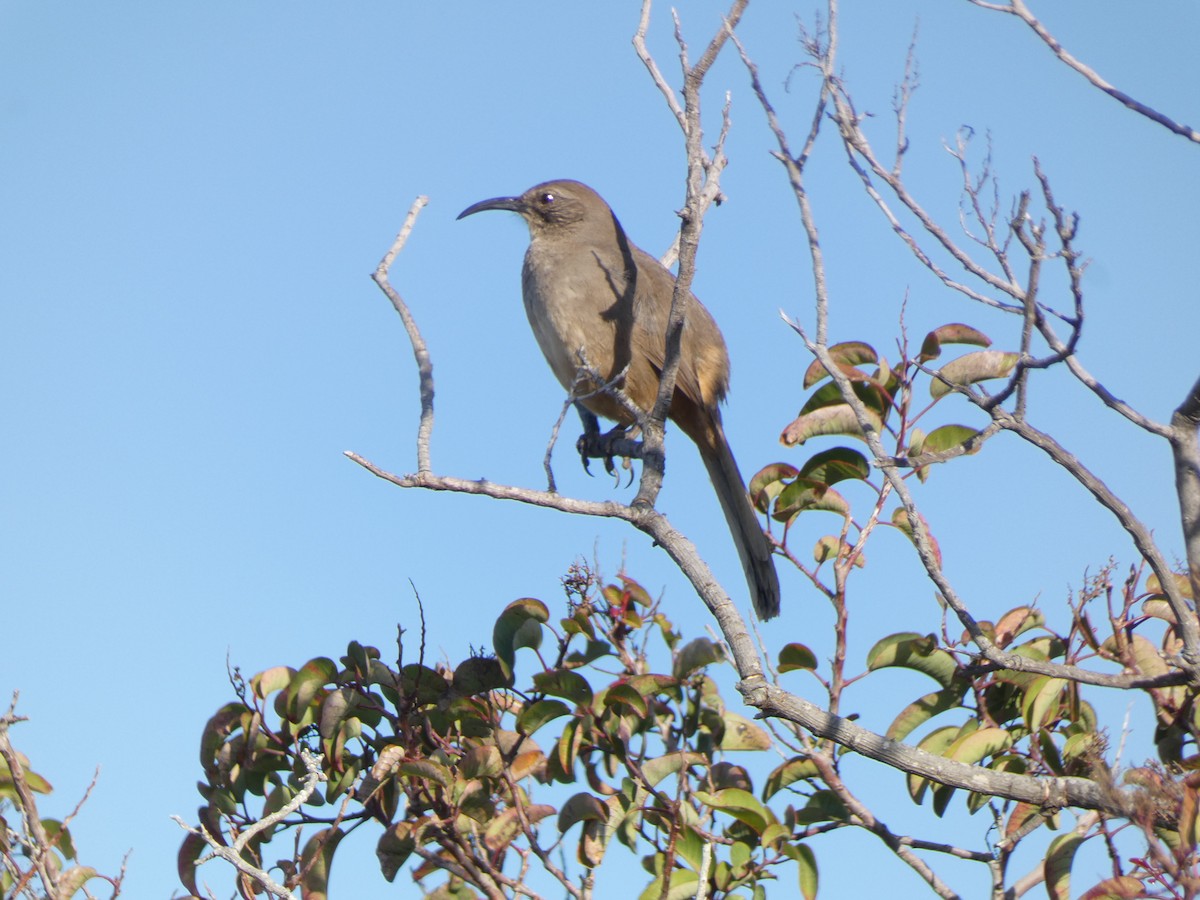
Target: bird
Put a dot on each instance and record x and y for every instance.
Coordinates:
(592, 295)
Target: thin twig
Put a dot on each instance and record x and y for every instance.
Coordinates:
(1022, 12)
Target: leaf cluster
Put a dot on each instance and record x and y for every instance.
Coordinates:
(460, 771)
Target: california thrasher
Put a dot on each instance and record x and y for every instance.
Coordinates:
(592, 295)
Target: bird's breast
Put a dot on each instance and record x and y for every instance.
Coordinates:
(569, 302)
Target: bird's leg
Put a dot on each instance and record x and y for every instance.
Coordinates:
(590, 437)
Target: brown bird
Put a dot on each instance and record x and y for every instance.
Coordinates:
(588, 288)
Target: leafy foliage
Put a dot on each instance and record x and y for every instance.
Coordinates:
(38, 858)
(460, 771)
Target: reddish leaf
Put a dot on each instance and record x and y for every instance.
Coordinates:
(900, 520)
(839, 419)
(931, 347)
(847, 355)
(1120, 887)
(768, 482)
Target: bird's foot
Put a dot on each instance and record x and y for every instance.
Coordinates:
(607, 446)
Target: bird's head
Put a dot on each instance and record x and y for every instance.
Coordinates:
(551, 208)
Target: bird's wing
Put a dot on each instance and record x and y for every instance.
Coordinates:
(652, 307)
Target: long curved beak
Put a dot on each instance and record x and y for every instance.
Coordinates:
(512, 204)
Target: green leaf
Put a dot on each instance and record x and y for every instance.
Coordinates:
(580, 623)
(580, 808)
(796, 656)
(312, 678)
(936, 742)
(977, 745)
(826, 548)
(682, 886)
(822, 806)
(948, 437)
(535, 715)
(869, 392)
(518, 626)
(690, 846)
(653, 685)
(636, 592)
(972, 368)
(564, 683)
(797, 769)
(426, 770)
(1057, 868)
(742, 805)
(808, 871)
(921, 711)
(695, 655)
(593, 651)
(70, 881)
(483, 761)
(478, 675)
(623, 693)
(914, 651)
(1041, 702)
(396, 846)
(60, 837)
(271, 680)
(803, 494)
(185, 862)
(317, 858)
(336, 706)
(742, 734)
(655, 770)
(836, 464)
(847, 355)
(502, 830)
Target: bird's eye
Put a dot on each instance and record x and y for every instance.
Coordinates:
(547, 198)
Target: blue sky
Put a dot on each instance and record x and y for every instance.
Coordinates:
(195, 194)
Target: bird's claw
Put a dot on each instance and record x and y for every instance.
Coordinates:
(594, 445)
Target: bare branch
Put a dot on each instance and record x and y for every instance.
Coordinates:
(900, 846)
(381, 277)
(233, 854)
(701, 169)
(681, 550)
(1045, 793)
(1022, 12)
(1142, 539)
(795, 164)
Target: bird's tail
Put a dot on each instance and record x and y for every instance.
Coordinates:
(752, 545)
